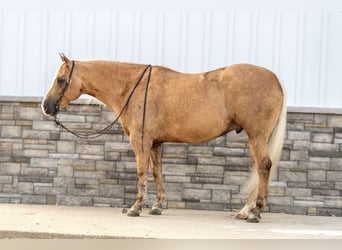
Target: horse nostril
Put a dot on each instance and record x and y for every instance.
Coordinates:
(44, 107)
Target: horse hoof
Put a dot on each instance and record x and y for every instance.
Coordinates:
(253, 218)
(156, 211)
(134, 212)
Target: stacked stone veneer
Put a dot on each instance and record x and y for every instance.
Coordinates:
(40, 164)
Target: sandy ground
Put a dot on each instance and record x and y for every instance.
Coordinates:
(61, 222)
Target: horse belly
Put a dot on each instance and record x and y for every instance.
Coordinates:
(195, 127)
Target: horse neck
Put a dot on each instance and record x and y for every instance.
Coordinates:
(110, 82)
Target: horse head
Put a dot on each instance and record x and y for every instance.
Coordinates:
(66, 87)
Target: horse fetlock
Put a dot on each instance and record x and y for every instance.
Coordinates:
(241, 216)
(243, 213)
(260, 203)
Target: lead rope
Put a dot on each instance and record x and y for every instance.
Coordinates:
(98, 133)
(144, 110)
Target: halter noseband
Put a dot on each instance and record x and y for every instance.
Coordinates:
(66, 83)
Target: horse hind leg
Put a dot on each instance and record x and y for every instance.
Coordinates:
(156, 167)
(263, 165)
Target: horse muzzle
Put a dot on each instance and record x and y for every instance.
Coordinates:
(50, 107)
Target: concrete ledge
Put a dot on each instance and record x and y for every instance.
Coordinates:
(313, 110)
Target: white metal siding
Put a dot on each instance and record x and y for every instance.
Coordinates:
(300, 41)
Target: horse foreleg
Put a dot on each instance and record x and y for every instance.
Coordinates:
(263, 165)
(156, 167)
(142, 159)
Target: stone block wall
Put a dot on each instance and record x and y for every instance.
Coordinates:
(41, 164)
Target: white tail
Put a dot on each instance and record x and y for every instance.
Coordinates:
(276, 141)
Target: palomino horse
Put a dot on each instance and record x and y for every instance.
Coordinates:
(182, 107)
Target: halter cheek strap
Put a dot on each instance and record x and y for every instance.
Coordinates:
(69, 80)
(66, 84)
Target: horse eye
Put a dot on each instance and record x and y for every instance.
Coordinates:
(60, 81)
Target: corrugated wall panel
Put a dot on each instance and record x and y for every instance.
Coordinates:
(333, 66)
(302, 45)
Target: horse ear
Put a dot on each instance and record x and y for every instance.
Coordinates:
(64, 58)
